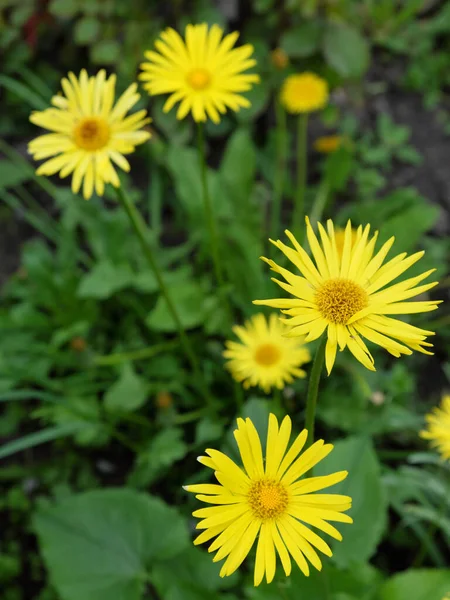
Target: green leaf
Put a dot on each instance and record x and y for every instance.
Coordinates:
(363, 484)
(105, 52)
(189, 306)
(191, 576)
(104, 280)
(303, 40)
(128, 393)
(419, 584)
(23, 92)
(346, 50)
(97, 545)
(258, 97)
(40, 437)
(163, 450)
(11, 174)
(63, 8)
(239, 164)
(86, 30)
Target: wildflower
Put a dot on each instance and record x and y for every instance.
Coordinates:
(203, 72)
(280, 59)
(438, 428)
(347, 297)
(328, 143)
(267, 497)
(304, 93)
(89, 133)
(264, 356)
(339, 236)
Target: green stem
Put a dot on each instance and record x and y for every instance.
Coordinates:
(142, 234)
(320, 202)
(210, 220)
(313, 389)
(280, 170)
(142, 353)
(299, 208)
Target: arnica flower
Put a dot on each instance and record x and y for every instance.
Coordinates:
(328, 144)
(280, 59)
(89, 133)
(347, 297)
(265, 357)
(267, 497)
(304, 93)
(204, 72)
(438, 428)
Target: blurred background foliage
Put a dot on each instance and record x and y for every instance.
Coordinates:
(101, 420)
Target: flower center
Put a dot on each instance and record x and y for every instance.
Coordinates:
(91, 133)
(267, 354)
(199, 79)
(339, 299)
(267, 498)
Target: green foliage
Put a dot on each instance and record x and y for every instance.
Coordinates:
(424, 584)
(113, 536)
(369, 507)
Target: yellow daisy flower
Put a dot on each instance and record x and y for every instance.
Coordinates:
(280, 59)
(304, 93)
(438, 428)
(265, 357)
(203, 72)
(267, 497)
(348, 296)
(89, 133)
(327, 143)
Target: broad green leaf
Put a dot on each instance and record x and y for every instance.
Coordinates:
(346, 50)
(63, 8)
(86, 30)
(359, 582)
(238, 164)
(419, 584)
(303, 40)
(163, 450)
(189, 301)
(128, 393)
(104, 280)
(105, 52)
(192, 575)
(11, 174)
(363, 484)
(98, 545)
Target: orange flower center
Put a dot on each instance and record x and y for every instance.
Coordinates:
(267, 355)
(91, 133)
(267, 498)
(199, 79)
(339, 299)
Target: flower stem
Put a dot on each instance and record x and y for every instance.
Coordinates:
(320, 202)
(299, 208)
(280, 172)
(142, 233)
(211, 222)
(313, 389)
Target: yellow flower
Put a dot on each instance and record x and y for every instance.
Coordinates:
(280, 59)
(304, 93)
(438, 428)
(265, 357)
(89, 132)
(203, 72)
(328, 143)
(339, 236)
(348, 296)
(267, 497)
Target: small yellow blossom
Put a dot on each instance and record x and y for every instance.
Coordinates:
(304, 93)
(279, 58)
(438, 428)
